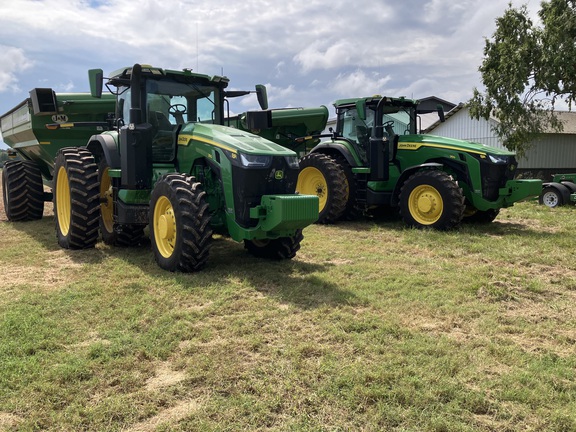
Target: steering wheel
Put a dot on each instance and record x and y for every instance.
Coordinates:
(388, 127)
(177, 109)
(389, 123)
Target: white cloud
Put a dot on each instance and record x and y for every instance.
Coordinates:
(12, 62)
(358, 83)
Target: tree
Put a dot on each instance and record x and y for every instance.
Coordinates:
(526, 70)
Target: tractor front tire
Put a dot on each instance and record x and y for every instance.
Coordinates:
(180, 223)
(112, 233)
(76, 198)
(431, 199)
(22, 191)
(278, 249)
(320, 175)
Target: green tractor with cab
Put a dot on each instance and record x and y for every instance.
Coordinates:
(166, 160)
(376, 160)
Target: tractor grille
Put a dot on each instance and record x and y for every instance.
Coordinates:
(495, 176)
(251, 183)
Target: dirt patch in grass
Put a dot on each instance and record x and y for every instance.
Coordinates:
(167, 417)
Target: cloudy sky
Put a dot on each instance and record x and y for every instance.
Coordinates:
(307, 52)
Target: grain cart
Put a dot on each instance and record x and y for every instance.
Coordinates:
(375, 159)
(35, 130)
(560, 191)
(170, 163)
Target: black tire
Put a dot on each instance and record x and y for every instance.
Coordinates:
(320, 175)
(481, 216)
(113, 233)
(431, 199)
(180, 223)
(553, 196)
(353, 209)
(277, 249)
(22, 191)
(76, 198)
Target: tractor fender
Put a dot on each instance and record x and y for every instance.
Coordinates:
(331, 149)
(105, 145)
(407, 173)
(561, 188)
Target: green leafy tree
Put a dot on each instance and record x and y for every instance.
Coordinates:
(526, 70)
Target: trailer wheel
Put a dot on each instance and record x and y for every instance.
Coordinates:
(552, 196)
(320, 175)
(278, 249)
(112, 233)
(431, 198)
(76, 198)
(22, 191)
(180, 223)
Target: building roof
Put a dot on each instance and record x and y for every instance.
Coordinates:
(568, 118)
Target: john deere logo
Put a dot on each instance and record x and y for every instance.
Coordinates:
(279, 175)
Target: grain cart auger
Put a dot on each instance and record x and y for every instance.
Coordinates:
(170, 163)
(376, 159)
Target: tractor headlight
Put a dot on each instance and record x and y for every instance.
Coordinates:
(292, 162)
(497, 159)
(255, 161)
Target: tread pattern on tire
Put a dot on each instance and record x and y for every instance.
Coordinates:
(84, 198)
(453, 199)
(23, 191)
(277, 249)
(193, 218)
(336, 184)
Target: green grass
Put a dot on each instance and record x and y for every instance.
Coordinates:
(371, 327)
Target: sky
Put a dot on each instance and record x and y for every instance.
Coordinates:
(307, 52)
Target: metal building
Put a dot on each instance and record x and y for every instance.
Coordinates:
(550, 154)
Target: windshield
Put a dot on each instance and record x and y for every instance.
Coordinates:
(398, 121)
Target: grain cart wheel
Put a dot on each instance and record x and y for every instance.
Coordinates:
(281, 248)
(320, 175)
(76, 198)
(112, 233)
(432, 199)
(553, 196)
(22, 191)
(179, 223)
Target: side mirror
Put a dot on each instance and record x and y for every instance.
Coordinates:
(96, 78)
(262, 96)
(361, 109)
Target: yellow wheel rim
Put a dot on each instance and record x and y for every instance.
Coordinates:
(63, 201)
(106, 203)
(312, 182)
(164, 227)
(425, 205)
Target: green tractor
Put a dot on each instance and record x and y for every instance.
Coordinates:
(169, 162)
(375, 160)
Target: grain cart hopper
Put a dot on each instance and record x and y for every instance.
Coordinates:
(170, 163)
(376, 159)
(35, 130)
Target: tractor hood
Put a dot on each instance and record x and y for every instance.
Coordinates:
(414, 142)
(231, 139)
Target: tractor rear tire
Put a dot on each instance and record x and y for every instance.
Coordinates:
(22, 191)
(277, 249)
(431, 199)
(180, 223)
(76, 198)
(112, 233)
(353, 208)
(320, 175)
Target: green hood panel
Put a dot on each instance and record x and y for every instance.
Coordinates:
(231, 139)
(449, 143)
